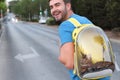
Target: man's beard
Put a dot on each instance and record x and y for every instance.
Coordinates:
(63, 18)
(62, 15)
(58, 22)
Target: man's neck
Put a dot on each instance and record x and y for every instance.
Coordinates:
(69, 14)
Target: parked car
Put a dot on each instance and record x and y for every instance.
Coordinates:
(42, 20)
(14, 19)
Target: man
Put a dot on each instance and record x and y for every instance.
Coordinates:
(61, 10)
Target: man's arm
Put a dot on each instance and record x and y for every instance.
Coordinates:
(67, 55)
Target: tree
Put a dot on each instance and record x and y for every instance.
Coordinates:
(3, 8)
(113, 11)
(104, 13)
(2, 0)
(28, 11)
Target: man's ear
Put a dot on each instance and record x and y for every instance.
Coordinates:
(68, 5)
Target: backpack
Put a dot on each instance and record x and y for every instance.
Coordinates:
(93, 56)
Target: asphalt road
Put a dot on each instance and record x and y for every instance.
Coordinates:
(116, 50)
(29, 51)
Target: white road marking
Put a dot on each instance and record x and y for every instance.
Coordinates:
(116, 66)
(22, 57)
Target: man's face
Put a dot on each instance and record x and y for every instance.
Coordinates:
(58, 9)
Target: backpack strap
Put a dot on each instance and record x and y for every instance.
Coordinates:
(78, 27)
(74, 22)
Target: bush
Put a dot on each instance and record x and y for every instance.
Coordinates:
(34, 20)
(50, 21)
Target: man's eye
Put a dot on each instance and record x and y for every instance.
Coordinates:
(57, 4)
(51, 7)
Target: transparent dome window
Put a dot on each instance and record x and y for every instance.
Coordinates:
(94, 52)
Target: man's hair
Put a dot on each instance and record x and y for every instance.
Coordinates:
(65, 1)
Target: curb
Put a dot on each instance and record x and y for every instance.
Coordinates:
(115, 40)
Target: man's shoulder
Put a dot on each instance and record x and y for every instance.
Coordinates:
(65, 24)
(81, 19)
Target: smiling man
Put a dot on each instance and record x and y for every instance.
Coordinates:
(61, 10)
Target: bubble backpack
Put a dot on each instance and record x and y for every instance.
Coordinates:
(93, 56)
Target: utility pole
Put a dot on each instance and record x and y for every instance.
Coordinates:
(46, 13)
(40, 11)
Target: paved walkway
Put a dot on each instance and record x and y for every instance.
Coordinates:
(115, 37)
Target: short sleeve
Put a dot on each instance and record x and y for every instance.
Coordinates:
(65, 32)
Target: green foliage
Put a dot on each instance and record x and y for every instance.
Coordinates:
(34, 20)
(2, 0)
(29, 8)
(113, 11)
(51, 21)
(3, 7)
(104, 13)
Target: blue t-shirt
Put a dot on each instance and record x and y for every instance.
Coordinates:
(65, 32)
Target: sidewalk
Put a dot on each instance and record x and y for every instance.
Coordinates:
(0, 29)
(115, 40)
(115, 37)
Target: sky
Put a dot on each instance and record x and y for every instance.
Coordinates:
(8, 1)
